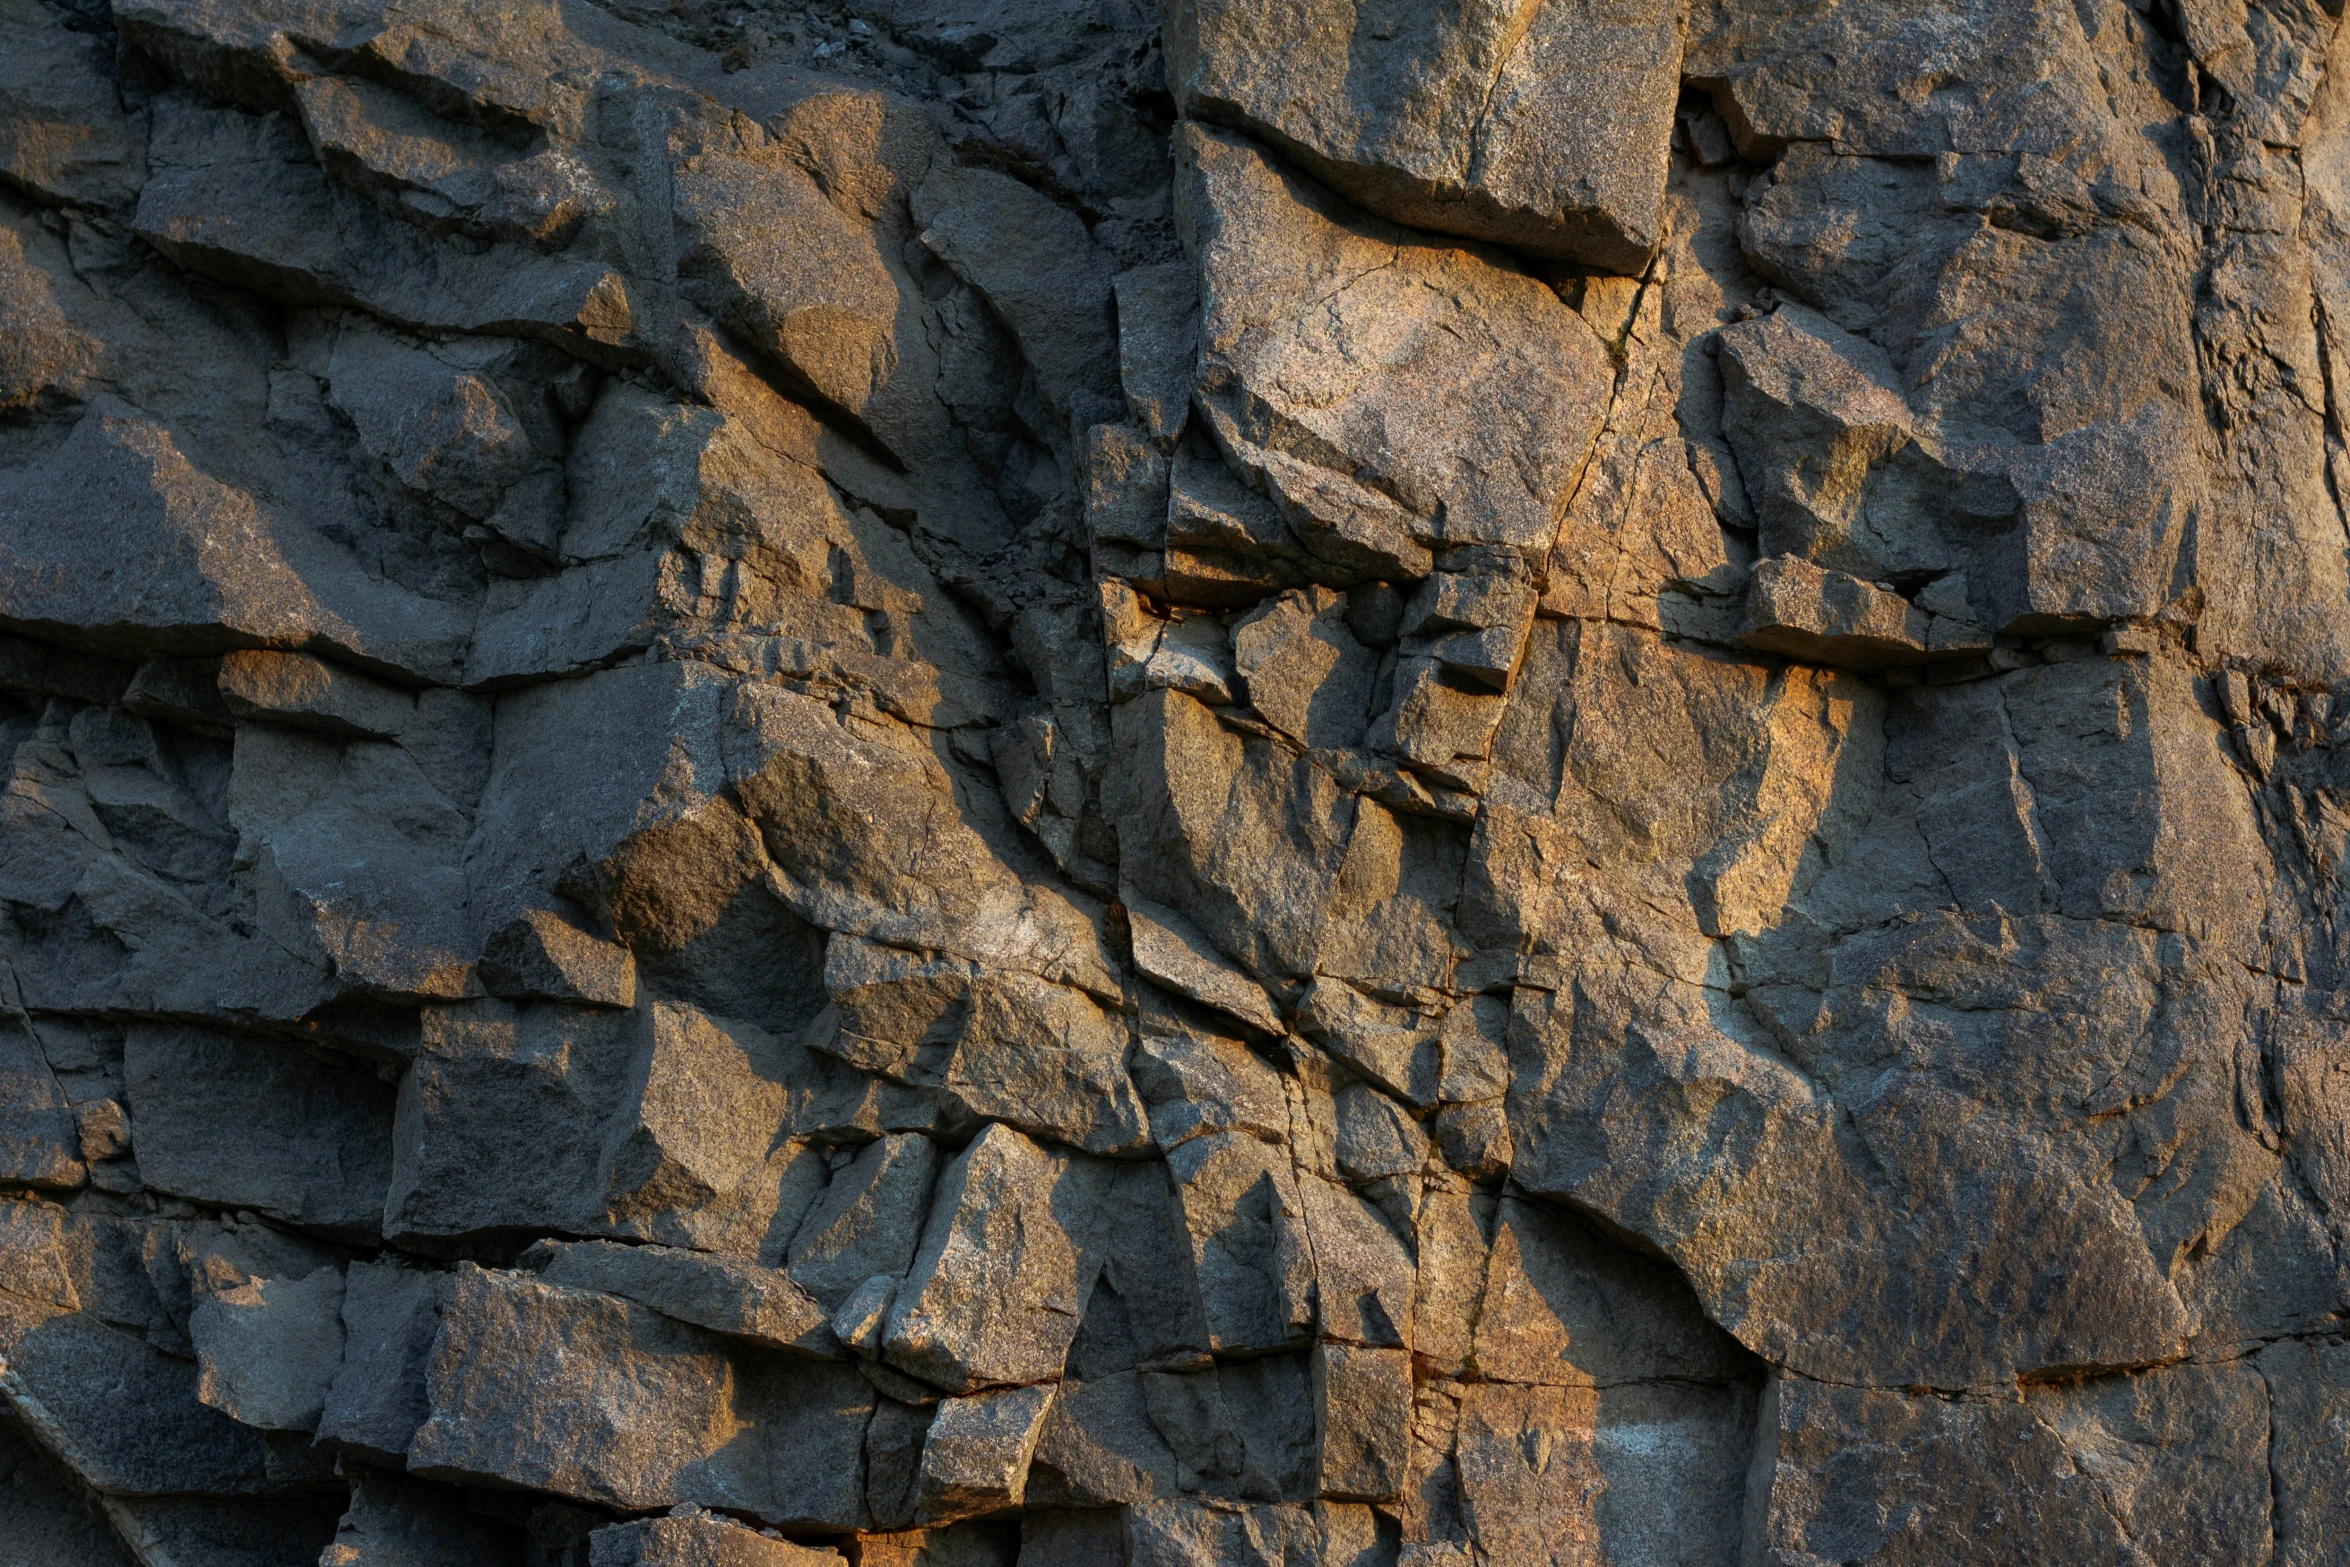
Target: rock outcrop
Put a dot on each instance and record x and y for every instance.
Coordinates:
(972, 783)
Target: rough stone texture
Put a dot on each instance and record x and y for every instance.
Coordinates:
(692, 1538)
(47, 1524)
(267, 1349)
(1543, 124)
(723, 1294)
(397, 1523)
(960, 783)
(976, 1453)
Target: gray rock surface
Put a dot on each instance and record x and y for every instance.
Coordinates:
(964, 783)
(976, 1454)
(1542, 125)
(723, 1294)
(690, 1537)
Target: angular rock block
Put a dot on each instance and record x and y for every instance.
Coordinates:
(975, 1458)
(697, 1539)
(670, 1413)
(1355, 372)
(996, 1287)
(724, 1294)
(1541, 126)
(239, 1122)
(267, 1350)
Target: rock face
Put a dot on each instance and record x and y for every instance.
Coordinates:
(1539, 124)
(973, 783)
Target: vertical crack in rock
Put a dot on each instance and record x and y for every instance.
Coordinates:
(1360, 784)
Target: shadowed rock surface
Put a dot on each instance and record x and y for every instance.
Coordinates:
(1053, 783)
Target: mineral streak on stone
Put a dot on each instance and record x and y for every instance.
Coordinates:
(1079, 783)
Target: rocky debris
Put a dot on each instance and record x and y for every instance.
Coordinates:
(982, 785)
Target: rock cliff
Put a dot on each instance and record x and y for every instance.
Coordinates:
(1032, 783)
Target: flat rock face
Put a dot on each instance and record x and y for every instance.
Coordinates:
(973, 783)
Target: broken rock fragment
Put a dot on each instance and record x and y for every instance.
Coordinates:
(868, 1220)
(821, 304)
(189, 1087)
(302, 692)
(690, 1537)
(1169, 950)
(1363, 1424)
(1318, 329)
(267, 1349)
(999, 1283)
(499, 1410)
(1827, 617)
(674, 1414)
(543, 956)
(724, 1294)
(390, 1317)
(975, 1459)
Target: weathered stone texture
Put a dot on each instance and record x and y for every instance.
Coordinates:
(972, 783)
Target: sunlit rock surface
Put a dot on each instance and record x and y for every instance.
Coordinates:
(1032, 783)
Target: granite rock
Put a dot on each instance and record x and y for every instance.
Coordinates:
(1540, 126)
(960, 783)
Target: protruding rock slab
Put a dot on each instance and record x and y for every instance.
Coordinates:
(1001, 1278)
(975, 1460)
(1390, 392)
(724, 1294)
(697, 1539)
(1827, 617)
(594, 1397)
(1540, 124)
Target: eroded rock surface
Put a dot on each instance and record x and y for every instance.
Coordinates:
(982, 783)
